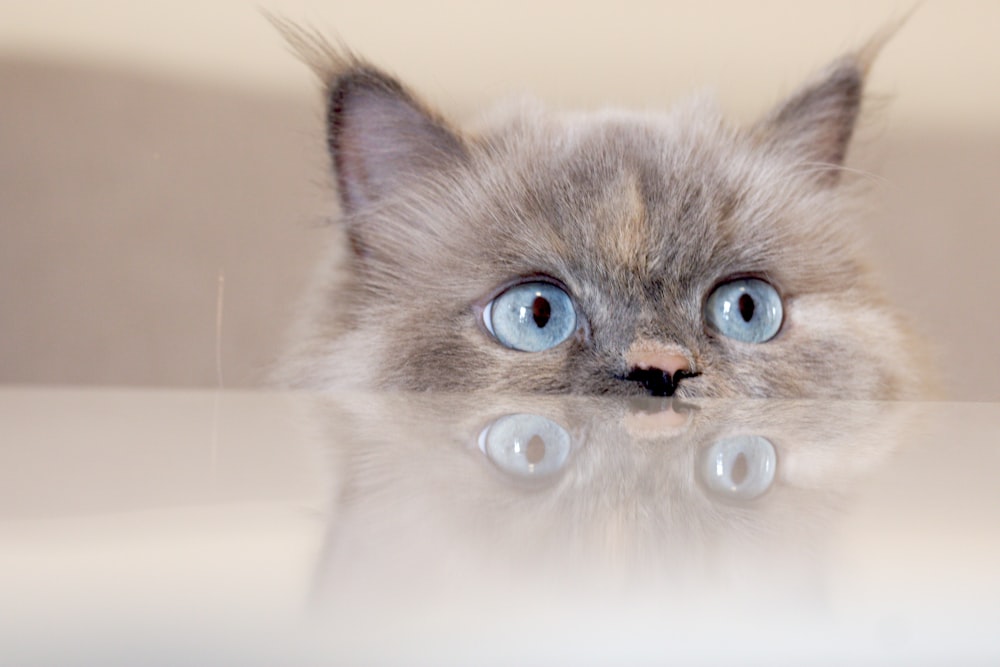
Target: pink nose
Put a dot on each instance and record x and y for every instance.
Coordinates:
(646, 355)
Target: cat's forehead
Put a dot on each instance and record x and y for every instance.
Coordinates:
(681, 194)
(616, 178)
(597, 141)
(665, 164)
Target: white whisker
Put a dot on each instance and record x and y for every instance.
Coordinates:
(219, 300)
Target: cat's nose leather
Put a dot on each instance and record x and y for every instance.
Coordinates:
(669, 359)
(658, 368)
(667, 363)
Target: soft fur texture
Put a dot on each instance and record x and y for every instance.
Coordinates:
(639, 216)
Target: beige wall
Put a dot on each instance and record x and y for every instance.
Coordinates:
(630, 52)
(145, 147)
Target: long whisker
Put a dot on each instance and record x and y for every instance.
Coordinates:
(821, 167)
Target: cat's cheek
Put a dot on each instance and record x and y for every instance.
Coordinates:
(734, 369)
(841, 347)
(813, 315)
(581, 337)
(489, 365)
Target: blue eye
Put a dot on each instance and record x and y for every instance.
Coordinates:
(747, 309)
(531, 317)
(739, 467)
(526, 445)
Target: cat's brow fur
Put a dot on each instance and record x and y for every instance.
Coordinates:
(639, 216)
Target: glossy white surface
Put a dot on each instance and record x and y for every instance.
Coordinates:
(164, 528)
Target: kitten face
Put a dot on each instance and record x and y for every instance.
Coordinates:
(622, 227)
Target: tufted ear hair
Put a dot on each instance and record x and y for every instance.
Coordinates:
(815, 124)
(379, 134)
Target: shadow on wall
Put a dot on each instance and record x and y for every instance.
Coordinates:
(123, 197)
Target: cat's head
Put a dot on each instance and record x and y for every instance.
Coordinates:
(607, 253)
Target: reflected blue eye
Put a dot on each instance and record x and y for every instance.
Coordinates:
(739, 467)
(747, 310)
(526, 445)
(531, 317)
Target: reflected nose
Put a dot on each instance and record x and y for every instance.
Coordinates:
(657, 368)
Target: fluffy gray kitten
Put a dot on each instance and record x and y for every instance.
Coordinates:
(596, 253)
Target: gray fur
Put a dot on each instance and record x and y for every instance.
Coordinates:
(638, 215)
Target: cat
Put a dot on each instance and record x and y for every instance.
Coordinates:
(607, 253)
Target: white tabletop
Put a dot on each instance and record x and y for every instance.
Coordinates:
(204, 528)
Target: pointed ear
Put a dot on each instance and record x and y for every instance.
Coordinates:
(380, 136)
(814, 126)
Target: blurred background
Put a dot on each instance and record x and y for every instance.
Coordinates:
(157, 155)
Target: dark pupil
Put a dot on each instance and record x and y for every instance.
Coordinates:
(535, 451)
(541, 311)
(746, 307)
(741, 470)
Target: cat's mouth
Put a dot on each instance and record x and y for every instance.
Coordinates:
(654, 416)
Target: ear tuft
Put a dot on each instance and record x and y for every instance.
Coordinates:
(379, 134)
(815, 125)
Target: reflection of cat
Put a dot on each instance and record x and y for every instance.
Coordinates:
(609, 253)
(434, 490)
